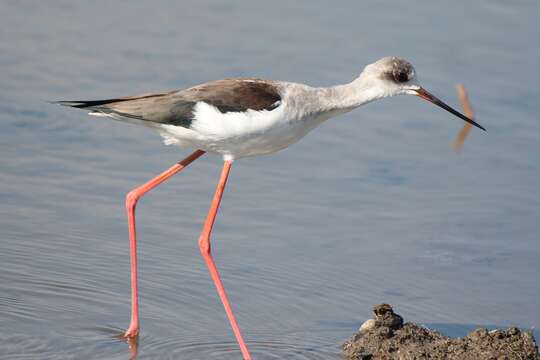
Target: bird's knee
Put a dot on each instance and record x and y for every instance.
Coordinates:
(204, 247)
(131, 198)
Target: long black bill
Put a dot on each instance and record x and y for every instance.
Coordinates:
(427, 96)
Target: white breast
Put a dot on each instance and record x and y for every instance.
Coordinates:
(241, 134)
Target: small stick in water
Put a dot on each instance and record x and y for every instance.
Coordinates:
(467, 109)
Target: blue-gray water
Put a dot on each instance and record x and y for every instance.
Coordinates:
(373, 206)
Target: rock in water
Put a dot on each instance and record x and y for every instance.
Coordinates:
(387, 337)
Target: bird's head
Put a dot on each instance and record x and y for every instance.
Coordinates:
(392, 76)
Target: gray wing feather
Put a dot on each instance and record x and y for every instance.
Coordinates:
(176, 107)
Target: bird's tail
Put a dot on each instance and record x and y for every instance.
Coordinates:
(96, 107)
(130, 109)
(82, 104)
(112, 108)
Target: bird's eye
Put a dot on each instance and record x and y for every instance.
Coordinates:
(401, 76)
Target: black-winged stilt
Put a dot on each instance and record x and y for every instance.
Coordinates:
(242, 117)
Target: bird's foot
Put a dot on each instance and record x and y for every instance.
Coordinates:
(132, 332)
(131, 336)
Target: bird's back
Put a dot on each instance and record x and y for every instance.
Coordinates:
(236, 117)
(177, 107)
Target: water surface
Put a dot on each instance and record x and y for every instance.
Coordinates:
(371, 207)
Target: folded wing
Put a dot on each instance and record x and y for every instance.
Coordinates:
(177, 107)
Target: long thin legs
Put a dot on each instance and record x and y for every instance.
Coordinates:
(205, 247)
(204, 244)
(131, 202)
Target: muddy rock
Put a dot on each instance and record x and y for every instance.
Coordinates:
(387, 337)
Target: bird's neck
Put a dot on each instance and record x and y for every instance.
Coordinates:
(346, 97)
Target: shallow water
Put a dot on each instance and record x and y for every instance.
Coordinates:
(373, 206)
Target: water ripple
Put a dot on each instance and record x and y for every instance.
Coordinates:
(195, 349)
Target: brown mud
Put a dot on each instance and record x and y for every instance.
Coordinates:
(387, 337)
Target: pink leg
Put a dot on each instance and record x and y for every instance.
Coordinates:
(131, 202)
(204, 245)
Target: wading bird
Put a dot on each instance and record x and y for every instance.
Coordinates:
(242, 117)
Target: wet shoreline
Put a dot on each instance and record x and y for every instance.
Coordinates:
(386, 336)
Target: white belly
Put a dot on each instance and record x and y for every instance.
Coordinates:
(236, 135)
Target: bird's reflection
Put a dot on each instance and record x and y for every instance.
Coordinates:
(133, 347)
(132, 343)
